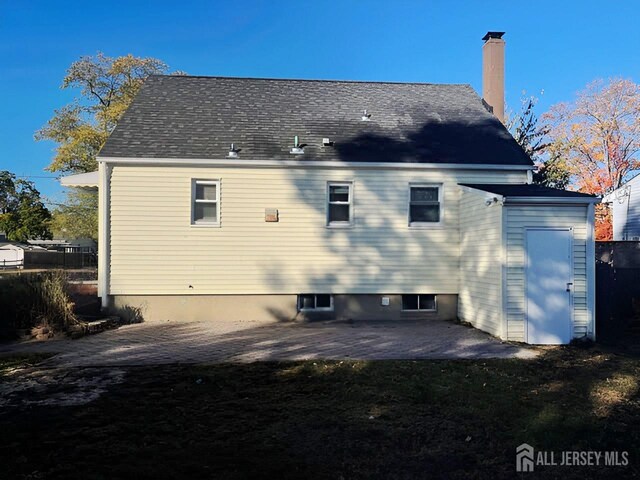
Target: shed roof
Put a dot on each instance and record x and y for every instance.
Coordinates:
(190, 117)
(529, 191)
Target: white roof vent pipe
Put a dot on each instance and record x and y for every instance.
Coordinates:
(233, 151)
(297, 148)
(366, 117)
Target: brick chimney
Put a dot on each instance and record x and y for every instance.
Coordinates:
(493, 72)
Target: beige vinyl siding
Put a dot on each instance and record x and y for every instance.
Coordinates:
(559, 216)
(481, 254)
(156, 250)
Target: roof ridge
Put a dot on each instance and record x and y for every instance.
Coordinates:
(319, 80)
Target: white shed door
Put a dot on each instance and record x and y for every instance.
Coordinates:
(548, 286)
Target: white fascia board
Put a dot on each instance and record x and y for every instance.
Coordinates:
(555, 200)
(551, 200)
(208, 162)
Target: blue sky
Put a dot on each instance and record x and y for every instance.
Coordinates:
(555, 46)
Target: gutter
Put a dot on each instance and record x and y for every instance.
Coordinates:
(236, 162)
(553, 200)
(533, 200)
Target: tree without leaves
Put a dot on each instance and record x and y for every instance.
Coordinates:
(23, 215)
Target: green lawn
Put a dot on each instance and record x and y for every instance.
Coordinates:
(386, 419)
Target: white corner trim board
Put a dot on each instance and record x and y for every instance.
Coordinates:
(104, 234)
(230, 162)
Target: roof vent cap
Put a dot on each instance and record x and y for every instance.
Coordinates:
(297, 148)
(366, 116)
(233, 151)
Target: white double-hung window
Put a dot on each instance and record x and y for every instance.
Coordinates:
(425, 204)
(339, 204)
(205, 203)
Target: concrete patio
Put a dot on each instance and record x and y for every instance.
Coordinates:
(208, 342)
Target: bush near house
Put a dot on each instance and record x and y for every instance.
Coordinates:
(35, 300)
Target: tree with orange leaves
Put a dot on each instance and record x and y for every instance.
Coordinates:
(598, 135)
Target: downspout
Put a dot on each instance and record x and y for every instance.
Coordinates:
(104, 237)
(591, 272)
(625, 234)
(504, 325)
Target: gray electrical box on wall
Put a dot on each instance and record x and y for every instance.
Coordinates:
(270, 214)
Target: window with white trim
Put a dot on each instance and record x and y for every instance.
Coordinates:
(205, 205)
(315, 302)
(419, 302)
(425, 204)
(339, 204)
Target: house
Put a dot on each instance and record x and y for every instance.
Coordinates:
(77, 245)
(304, 199)
(625, 210)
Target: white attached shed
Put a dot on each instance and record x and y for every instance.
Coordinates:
(527, 260)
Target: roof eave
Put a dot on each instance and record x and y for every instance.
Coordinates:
(551, 200)
(246, 162)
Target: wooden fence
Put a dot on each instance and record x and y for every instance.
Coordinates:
(617, 288)
(55, 259)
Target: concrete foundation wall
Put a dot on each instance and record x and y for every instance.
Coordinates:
(274, 308)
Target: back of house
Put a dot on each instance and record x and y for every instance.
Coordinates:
(276, 200)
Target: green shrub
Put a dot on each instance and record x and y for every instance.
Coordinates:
(35, 299)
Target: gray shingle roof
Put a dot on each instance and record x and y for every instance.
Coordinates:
(199, 117)
(526, 190)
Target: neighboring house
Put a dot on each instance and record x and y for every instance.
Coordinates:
(239, 198)
(625, 210)
(78, 245)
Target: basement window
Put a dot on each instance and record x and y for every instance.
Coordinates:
(339, 204)
(424, 204)
(205, 203)
(421, 302)
(310, 302)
